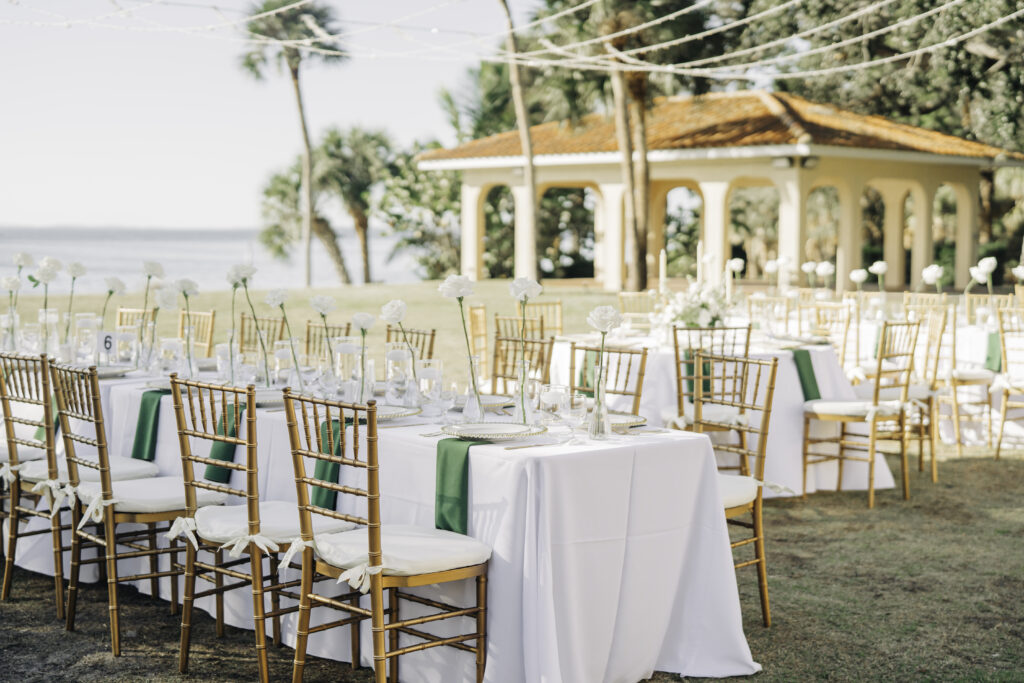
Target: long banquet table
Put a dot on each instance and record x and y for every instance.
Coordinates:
(784, 460)
(610, 559)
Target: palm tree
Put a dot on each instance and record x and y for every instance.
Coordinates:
(352, 163)
(310, 23)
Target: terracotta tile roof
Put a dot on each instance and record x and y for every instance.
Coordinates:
(737, 119)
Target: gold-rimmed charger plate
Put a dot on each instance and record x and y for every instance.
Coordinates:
(623, 421)
(386, 412)
(492, 402)
(493, 431)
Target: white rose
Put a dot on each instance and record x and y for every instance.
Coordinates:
(988, 265)
(523, 288)
(978, 275)
(1018, 272)
(11, 283)
(858, 276)
(771, 267)
(115, 286)
(239, 275)
(363, 321)
(393, 312)
(276, 298)
(166, 298)
(604, 319)
(704, 318)
(23, 260)
(808, 267)
(152, 269)
(783, 261)
(734, 265)
(825, 269)
(324, 305)
(878, 268)
(76, 269)
(45, 274)
(932, 274)
(187, 287)
(456, 287)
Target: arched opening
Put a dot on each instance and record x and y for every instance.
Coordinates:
(565, 232)
(753, 232)
(684, 206)
(499, 233)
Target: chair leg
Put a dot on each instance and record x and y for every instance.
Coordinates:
(76, 562)
(1002, 421)
(956, 424)
(12, 540)
(154, 562)
(115, 624)
(172, 559)
(904, 465)
(393, 634)
(807, 427)
(762, 562)
(275, 599)
(481, 627)
(872, 440)
(355, 637)
(58, 560)
(302, 632)
(839, 452)
(988, 415)
(919, 430)
(218, 581)
(377, 629)
(259, 610)
(933, 437)
(186, 608)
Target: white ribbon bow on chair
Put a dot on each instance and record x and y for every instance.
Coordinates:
(94, 511)
(855, 375)
(240, 543)
(1000, 383)
(184, 526)
(7, 471)
(358, 577)
(56, 492)
(776, 488)
(296, 545)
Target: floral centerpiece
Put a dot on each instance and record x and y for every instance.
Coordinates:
(188, 288)
(932, 276)
(243, 275)
(522, 290)
(151, 269)
(604, 319)
(700, 306)
(115, 287)
(12, 283)
(458, 287)
(324, 306)
(44, 275)
(276, 298)
(825, 270)
(363, 322)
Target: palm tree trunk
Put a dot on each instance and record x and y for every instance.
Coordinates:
(362, 225)
(307, 180)
(529, 268)
(633, 283)
(641, 171)
(325, 233)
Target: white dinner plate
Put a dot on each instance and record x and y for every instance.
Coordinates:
(493, 431)
(489, 401)
(113, 371)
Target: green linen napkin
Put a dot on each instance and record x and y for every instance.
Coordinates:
(328, 471)
(451, 495)
(805, 371)
(220, 450)
(691, 373)
(994, 353)
(144, 447)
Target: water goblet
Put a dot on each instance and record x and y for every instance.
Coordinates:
(574, 413)
(445, 402)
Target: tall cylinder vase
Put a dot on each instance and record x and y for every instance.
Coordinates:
(473, 410)
(523, 412)
(599, 424)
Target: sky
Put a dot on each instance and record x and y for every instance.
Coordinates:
(137, 126)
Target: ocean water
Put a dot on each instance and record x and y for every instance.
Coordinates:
(202, 255)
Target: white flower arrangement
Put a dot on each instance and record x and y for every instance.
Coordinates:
(241, 275)
(522, 290)
(1018, 272)
(858, 277)
(276, 298)
(393, 312)
(115, 287)
(325, 305)
(46, 272)
(932, 276)
(188, 288)
(700, 306)
(879, 269)
(458, 287)
(12, 283)
(362, 322)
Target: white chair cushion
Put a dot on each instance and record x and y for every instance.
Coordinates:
(121, 469)
(25, 454)
(850, 408)
(712, 412)
(917, 391)
(279, 522)
(973, 374)
(736, 490)
(154, 494)
(406, 550)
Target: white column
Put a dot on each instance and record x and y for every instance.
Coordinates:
(923, 251)
(792, 220)
(851, 233)
(966, 231)
(714, 219)
(892, 236)
(613, 246)
(472, 231)
(525, 234)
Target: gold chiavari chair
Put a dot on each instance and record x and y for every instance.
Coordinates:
(623, 374)
(513, 326)
(885, 417)
(28, 421)
(548, 311)
(215, 415)
(720, 341)
(636, 307)
(420, 340)
(924, 299)
(831, 319)
(110, 503)
(507, 353)
(317, 335)
(248, 340)
(770, 312)
(357, 555)
(969, 383)
(477, 314)
(808, 295)
(202, 324)
(745, 387)
(134, 316)
(993, 303)
(1011, 383)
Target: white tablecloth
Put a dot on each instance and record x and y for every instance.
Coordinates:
(610, 560)
(784, 460)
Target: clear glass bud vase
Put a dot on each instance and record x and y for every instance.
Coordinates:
(523, 412)
(598, 424)
(473, 410)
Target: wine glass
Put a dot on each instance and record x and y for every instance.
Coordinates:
(574, 413)
(552, 398)
(445, 402)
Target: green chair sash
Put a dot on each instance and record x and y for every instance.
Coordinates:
(144, 447)
(223, 451)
